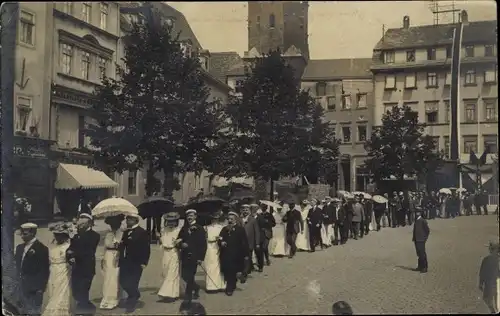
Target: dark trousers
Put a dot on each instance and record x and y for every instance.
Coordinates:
(265, 249)
(188, 273)
(378, 217)
(409, 216)
(478, 209)
(130, 276)
(337, 231)
(291, 238)
(31, 302)
(401, 214)
(421, 254)
(80, 285)
(355, 229)
(231, 279)
(259, 254)
(314, 237)
(344, 231)
(394, 218)
(366, 225)
(468, 210)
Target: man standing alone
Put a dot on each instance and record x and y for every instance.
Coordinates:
(420, 235)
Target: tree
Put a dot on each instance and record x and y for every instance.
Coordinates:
(273, 129)
(156, 112)
(399, 148)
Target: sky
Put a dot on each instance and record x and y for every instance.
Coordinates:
(336, 29)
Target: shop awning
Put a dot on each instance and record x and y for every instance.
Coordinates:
(71, 177)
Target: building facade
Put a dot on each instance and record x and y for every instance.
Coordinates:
(412, 66)
(344, 88)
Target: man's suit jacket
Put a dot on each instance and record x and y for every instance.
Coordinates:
(294, 222)
(315, 216)
(195, 237)
(34, 270)
(266, 223)
(338, 214)
(328, 214)
(83, 246)
(421, 230)
(252, 230)
(368, 208)
(358, 212)
(135, 247)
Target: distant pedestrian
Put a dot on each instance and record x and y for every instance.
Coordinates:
(488, 278)
(421, 233)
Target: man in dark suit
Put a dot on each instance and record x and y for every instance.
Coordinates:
(82, 251)
(134, 257)
(32, 263)
(367, 218)
(252, 229)
(294, 226)
(394, 209)
(338, 218)
(266, 224)
(192, 241)
(314, 220)
(420, 235)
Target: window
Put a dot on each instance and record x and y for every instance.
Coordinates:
(132, 183)
(431, 112)
(86, 11)
(362, 179)
(361, 100)
(23, 113)
(239, 86)
(66, 58)
(68, 7)
(431, 54)
(319, 101)
(390, 82)
(332, 102)
(469, 51)
(186, 50)
(490, 76)
(490, 110)
(388, 107)
(272, 21)
(104, 15)
(410, 56)
(432, 80)
(27, 21)
(258, 19)
(470, 76)
(470, 144)
(85, 65)
(81, 131)
(102, 67)
(490, 144)
(446, 148)
(488, 50)
(389, 57)
(470, 111)
(435, 139)
(361, 133)
(410, 81)
(446, 111)
(447, 81)
(346, 134)
(448, 51)
(320, 89)
(346, 102)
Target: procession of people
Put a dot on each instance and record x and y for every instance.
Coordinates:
(235, 244)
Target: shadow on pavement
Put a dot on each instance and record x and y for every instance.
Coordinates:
(406, 268)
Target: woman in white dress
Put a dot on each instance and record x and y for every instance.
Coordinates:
(325, 238)
(59, 286)
(214, 279)
(279, 246)
(302, 242)
(170, 288)
(109, 265)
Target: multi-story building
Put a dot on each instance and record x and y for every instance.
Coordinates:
(344, 88)
(412, 66)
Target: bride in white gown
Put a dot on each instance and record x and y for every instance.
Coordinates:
(303, 239)
(278, 245)
(111, 286)
(170, 288)
(59, 285)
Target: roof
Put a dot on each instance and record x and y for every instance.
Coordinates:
(221, 63)
(329, 69)
(431, 35)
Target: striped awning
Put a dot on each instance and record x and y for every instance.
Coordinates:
(72, 177)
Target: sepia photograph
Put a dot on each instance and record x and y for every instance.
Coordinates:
(249, 158)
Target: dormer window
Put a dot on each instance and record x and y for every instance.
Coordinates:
(320, 89)
(186, 49)
(272, 21)
(410, 56)
(389, 57)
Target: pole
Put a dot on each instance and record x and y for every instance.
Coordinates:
(9, 17)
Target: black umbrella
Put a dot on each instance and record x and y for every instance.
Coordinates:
(205, 203)
(154, 206)
(242, 195)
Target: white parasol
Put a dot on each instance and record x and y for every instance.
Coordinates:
(271, 204)
(343, 193)
(365, 195)
(461, 190)
(445, 191)
(113, 207)
(379, 199)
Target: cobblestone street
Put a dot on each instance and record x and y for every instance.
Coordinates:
(372, 274)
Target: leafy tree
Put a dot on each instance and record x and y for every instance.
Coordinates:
(274, 129)
(399, 148)
(156, 113)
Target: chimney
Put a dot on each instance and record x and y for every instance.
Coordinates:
(406, 22)
(464, 17)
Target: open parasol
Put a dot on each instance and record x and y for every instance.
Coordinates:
(113, 207)
(270, 204)
(445, 191)
(205, 203)
(379, 199)
(155, 206)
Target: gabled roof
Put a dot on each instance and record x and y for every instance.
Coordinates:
(433, 35)
(221, 62)
(336, 69)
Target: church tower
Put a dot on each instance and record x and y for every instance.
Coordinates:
(279, 24)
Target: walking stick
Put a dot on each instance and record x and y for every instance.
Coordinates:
(208, 275)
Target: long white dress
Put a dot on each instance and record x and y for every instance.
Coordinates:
(303, 239)
(59, 286)
(111, 292)
(324, 233)
(278, 245)
(214, 279)
(170, 287)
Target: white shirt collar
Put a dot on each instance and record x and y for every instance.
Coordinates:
(245, 218)
(192, 223)
(134, 227)
(30, 243)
